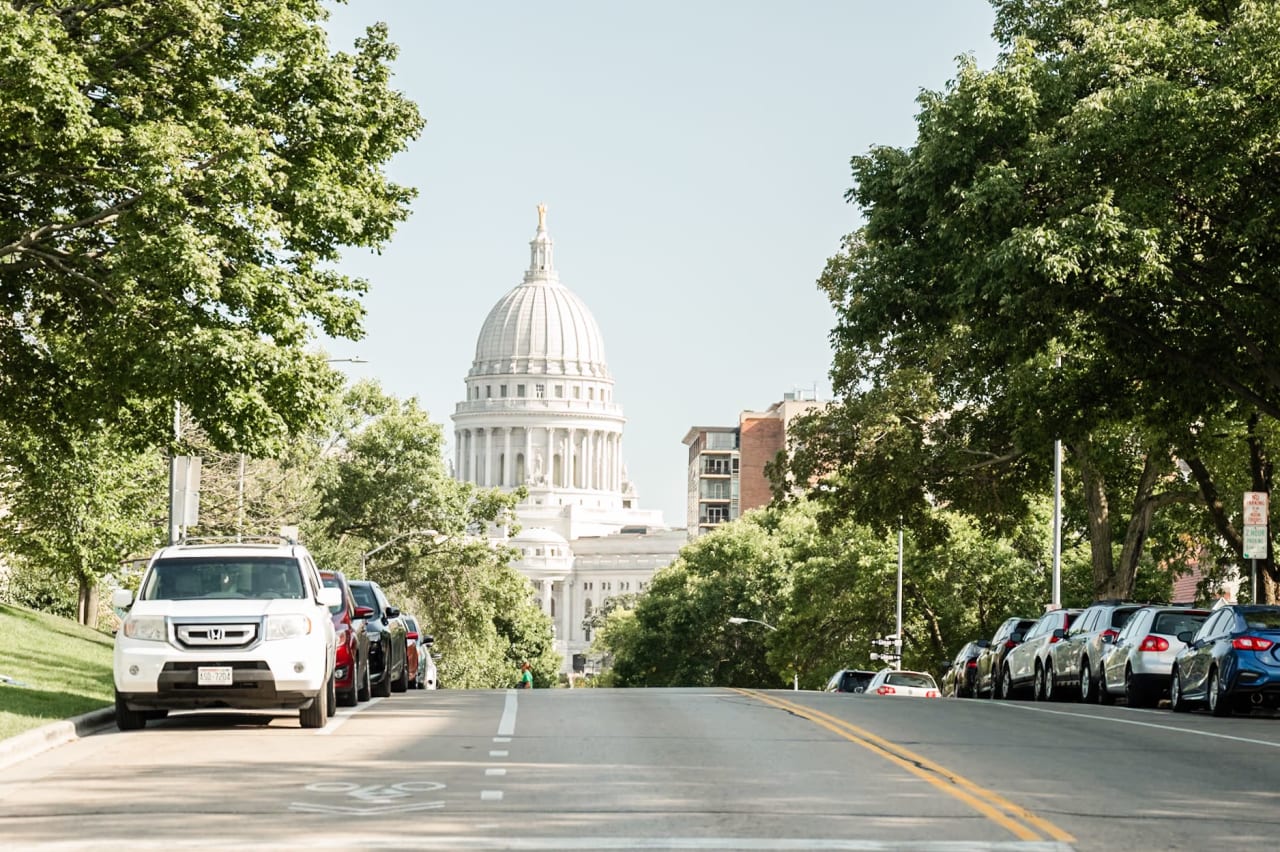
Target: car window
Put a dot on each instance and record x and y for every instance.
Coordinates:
(1085, 623)
(196, 578)
(854, 681)
(332, 583)
(365, 596)
(1173, 623)
(1262, 619)
(1120, 617)
(1211, 627)
(910, 679)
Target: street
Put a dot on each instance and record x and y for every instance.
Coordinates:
(690, 769)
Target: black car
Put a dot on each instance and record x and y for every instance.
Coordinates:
(388, 658)
(991, 660)
(961, 677)
(850, 680)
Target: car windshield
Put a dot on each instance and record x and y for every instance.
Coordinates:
(921, 681)
(331, 582)
(195, 578)
(855, 680)
(364, 596)
(1262, 619)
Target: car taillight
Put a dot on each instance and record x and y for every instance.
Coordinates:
(1251, 643)
(1154, 644)
(1053, 639)
(886, 690)
(1009, 644)
(972, 664)
(932, 694)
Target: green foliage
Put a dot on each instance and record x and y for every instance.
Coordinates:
(75, 515)
(384, 493)
(178, 178)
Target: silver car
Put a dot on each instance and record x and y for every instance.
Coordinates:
(1138, 665)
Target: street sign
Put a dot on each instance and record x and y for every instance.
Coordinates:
(1255, 508)
(884, 642)
(1255, 542)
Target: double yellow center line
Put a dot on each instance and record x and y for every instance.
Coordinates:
(1016, 819)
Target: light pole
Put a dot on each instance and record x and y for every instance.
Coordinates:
(437, 538)
(795, 672)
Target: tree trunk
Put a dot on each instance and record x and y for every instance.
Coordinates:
(87, 608)
(1099, 516)
(1145, 505)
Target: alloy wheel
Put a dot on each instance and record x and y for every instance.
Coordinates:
(1086, 683)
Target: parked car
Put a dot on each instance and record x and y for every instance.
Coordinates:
(850, 680)
(1075, 661)
(419, 652)
(1024, 665)
(242, 624)
(388, 669)
(895, 683)
(1232, 661)
(1138, 666)
(991, 660)
(351, 668)
(961, 677)
(430, 674)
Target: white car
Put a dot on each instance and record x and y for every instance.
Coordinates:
(897, 683)
(229, 624)
(1140, 661)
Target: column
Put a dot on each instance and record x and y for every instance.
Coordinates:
(551, 456)
(473, 442)
(506, 461)
(528, 454)
(457, 453)
(546, 595)
(571, 471)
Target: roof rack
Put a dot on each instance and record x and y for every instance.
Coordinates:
(237, 539)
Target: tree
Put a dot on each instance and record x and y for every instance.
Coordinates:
(384, 485)
(178, 178)
(1098, 198)
(75, 515)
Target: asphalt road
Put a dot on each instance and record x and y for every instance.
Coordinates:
(660, 769)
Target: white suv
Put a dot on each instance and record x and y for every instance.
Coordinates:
(243, 625)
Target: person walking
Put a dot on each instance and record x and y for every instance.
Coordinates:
(526, 676)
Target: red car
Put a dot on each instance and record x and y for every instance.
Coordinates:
(351, 670)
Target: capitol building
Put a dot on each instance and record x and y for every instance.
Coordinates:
(540, 412)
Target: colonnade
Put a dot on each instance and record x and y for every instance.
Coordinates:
(558, 457)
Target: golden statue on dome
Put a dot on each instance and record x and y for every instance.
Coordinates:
(542, 217)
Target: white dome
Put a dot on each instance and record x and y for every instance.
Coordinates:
(540, 327)
(538, 535)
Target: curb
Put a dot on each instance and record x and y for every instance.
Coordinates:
(33, 742)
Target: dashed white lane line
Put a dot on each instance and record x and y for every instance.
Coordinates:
(491, 795)
(507, 726)
(497, 753)
(502, 739)
(495, 772)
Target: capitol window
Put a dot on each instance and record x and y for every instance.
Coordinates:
(539, 391)
(577, 392)
(559, 391)
(520, 390)
(502, 390)
(488, 391)
(591, 393)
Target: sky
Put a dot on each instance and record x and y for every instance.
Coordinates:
(694, 159)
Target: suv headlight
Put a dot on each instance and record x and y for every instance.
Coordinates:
(287, 626)
(149, 628)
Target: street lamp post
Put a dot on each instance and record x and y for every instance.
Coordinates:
(795, 672)
(437, 537)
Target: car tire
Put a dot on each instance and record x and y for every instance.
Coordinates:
(401, 684)
(1219, 704)
(129, 720)
(382, 688)
(1105, 696)
(1037, 684)
(1088, 687)
(1052, 692)
(1003, 685)
(331, 700)
(1177, 703)
(364, 691)
(1135, 695)
(317, 714)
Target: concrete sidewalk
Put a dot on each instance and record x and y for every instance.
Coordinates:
(30, 743)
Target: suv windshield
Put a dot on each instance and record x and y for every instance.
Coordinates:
(365, 597)
(193, 578)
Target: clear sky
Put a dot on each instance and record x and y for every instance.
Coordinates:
(693, 157)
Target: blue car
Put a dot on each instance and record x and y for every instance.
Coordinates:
(1232, 661)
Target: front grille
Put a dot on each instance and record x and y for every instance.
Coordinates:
(216, 634)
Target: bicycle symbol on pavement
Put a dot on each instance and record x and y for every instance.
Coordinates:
(374, 799)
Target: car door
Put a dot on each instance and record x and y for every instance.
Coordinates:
(1067, 652)
(1194, 668)
(1022, 659)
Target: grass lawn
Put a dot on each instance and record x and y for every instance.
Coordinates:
(63, 668)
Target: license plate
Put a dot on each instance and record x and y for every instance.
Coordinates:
(213, 676)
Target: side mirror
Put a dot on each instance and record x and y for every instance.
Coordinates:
(364, 612)
(393, 612)
(121, 598)
(428, 640)
(1185, 637)
(330, 596)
